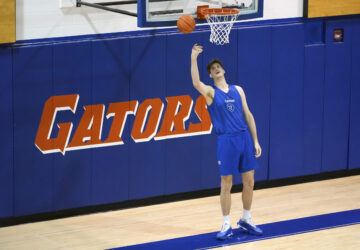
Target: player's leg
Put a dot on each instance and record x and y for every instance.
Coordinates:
(247, 195)
(247, 166)
(225, 201)
(228, 166)
(225, 195)
(248, 188)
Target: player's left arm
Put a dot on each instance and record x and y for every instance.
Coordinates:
(250, 121)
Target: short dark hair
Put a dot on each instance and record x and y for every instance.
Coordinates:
(215, 60)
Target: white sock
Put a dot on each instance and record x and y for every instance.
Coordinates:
(226, 219)
(226, 223)
(246, 215)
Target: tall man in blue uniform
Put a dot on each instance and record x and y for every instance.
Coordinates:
(237, 147)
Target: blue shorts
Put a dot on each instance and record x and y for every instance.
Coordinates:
(236, 153)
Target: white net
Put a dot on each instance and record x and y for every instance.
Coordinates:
(220, 25)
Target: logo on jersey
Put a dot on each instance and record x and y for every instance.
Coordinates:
(230, 107)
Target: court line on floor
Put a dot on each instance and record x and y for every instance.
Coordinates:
(278, 236)
(271, 230)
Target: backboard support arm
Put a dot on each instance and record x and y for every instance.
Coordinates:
(104, 6)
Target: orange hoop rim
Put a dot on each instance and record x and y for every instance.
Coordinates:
(219, 11)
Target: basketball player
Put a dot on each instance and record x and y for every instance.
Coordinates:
(237, 150)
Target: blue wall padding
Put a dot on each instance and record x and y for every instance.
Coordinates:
(286, 115)
(148, 70)
(314, 31)
(209, 168)
(336, 98)
(182, 172)
(200, 172)
(354, 135)
(110, 165)
(254, 76)
(313, 107)
(6, 134)
(302, 88)
(33, 171)
(72, 174)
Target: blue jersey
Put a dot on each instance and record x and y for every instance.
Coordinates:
(226, 112)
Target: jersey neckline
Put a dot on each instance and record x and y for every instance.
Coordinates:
(229, 86)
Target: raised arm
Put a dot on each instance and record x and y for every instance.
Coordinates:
(205, 90)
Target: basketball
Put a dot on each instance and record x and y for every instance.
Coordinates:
(186, 24)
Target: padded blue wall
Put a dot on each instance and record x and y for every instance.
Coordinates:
(302, 88)
(313, 99)
(32, 86)
(336, 98)
(110, 165)
(147, 162)
(6, 134)
(182, 172)
(286, 115)
(254, 76)
(72, 174)
(354, 135)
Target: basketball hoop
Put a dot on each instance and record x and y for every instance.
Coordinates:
(221, 21)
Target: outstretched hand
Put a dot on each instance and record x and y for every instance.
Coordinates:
(196, 50)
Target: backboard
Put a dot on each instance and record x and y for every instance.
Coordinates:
(152, 13)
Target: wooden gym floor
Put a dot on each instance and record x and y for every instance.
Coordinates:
(198, 216)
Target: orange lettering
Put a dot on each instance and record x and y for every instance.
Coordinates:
(54, 104)
(177, 112)
(119, 111)
(205, 126)
(155, 107)
(145, 127)
(88, 133)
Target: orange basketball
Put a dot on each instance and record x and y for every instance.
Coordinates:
(186, 24)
